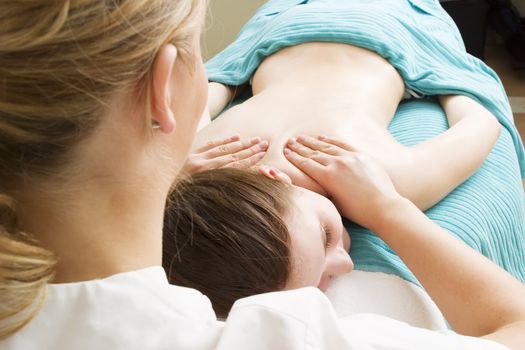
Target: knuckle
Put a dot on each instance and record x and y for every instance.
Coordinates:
(197, 165)
(210, 144)
(341, 162)
(243, 164)
(234, 157)
(200, 164)
(239, 164)
(302, 162)
(326, 148)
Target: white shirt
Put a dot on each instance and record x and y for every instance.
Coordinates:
(140, 310)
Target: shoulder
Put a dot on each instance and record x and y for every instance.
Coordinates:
(136, 309)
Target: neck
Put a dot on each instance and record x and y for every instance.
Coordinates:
(98, 230)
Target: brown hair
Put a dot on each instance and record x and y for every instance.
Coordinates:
(60, 62)
(225, 235)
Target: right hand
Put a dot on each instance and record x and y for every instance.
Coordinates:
(229, 152)
(359, 187)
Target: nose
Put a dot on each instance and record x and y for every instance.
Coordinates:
(341, 263)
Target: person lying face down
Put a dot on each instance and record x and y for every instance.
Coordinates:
(234, 233)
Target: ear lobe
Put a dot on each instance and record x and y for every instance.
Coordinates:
(274, 173)
(162, 71)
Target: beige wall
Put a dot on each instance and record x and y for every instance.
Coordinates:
(225, 20)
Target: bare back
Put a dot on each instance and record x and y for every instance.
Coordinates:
(312, 89)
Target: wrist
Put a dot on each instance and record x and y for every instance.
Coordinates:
(393, 209)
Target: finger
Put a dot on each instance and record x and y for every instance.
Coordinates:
(223, 161)
(320, 145)
(214, 143)
(232, 147)
(309, 166)
(246, 162)
(336, 142)
(247, 153)
(307, 152)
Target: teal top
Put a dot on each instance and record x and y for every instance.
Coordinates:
(418, 38)
(487, 211)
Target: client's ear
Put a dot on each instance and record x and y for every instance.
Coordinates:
(161, 75)
(274, 173)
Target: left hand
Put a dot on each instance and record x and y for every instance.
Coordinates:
(229, 152)
(359, 187)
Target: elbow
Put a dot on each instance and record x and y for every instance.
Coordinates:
(493, 127)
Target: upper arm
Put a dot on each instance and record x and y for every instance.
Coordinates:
(459, 107)
(220, 95)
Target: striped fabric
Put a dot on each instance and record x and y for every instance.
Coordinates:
(416, 36)
(487, 211)
(422, 42)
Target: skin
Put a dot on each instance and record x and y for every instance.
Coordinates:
(351, 93)
(226, 152)
(319, 252)
(450, 271)
(116, 184)
(105, 206)
(319, 241)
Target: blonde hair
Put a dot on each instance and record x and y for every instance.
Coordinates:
(60, 61)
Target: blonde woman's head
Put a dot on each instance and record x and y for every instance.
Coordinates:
(61, 61)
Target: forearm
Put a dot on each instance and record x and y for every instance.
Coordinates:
(477, 297)
(437, 166)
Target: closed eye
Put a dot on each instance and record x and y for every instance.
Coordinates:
(327, 234)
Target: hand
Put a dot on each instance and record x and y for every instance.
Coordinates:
(228, 152)
(358, 186)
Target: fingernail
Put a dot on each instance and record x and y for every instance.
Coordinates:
(287, 151)
(255, 140)
(322, 137)
(301, 138)
(292, 141)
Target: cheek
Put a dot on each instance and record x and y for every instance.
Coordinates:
(307, 267)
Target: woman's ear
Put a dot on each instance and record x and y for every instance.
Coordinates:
(162, 115)
(274, 173)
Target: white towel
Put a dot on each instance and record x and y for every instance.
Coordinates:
(388, 295)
